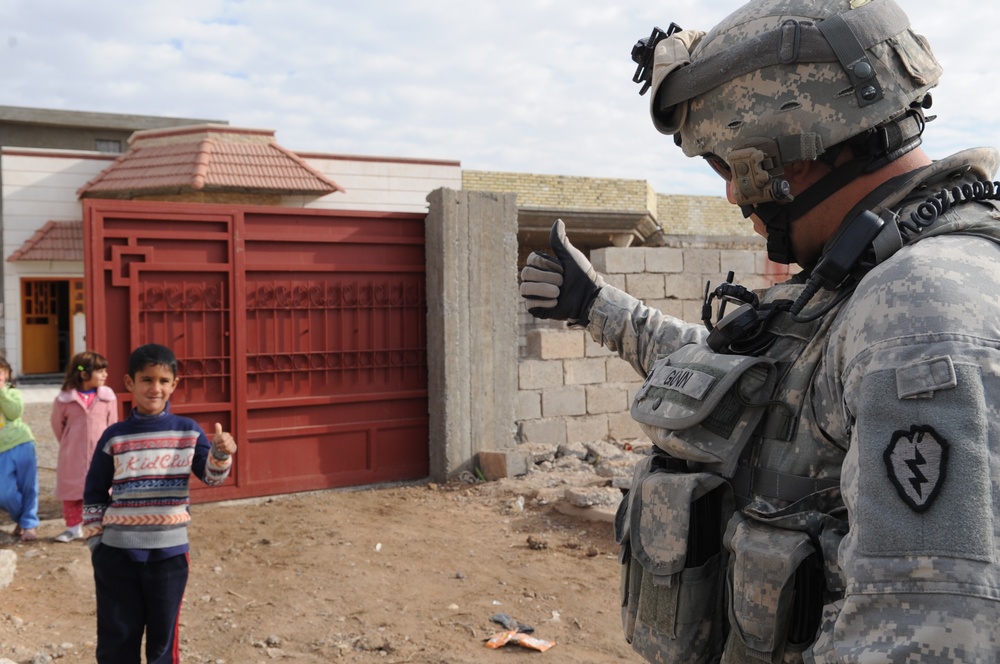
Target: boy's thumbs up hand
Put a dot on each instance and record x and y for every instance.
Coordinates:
(223, 444)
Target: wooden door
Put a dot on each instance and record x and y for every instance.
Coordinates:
(39, 326)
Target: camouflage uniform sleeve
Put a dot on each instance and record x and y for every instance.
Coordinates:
(917, 353)
(639, 334)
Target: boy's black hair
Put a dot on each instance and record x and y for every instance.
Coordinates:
(151, 355)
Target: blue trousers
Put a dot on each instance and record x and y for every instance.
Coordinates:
(133, 598)
(19, 484)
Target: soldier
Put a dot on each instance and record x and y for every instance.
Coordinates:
(825, 478)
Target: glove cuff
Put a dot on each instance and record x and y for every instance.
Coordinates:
(584, 319)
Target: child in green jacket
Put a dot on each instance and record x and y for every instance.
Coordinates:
(18, 462)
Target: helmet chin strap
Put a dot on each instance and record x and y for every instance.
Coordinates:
(874, 149)
(778, 217)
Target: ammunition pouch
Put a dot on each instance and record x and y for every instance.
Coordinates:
(775, 590)
(716, 399)
(670, 527)
(701, 581)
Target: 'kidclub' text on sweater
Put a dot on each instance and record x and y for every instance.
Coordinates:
(136, 494)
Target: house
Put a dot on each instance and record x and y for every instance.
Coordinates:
(46, 155)
(294, 285)
(52, 160)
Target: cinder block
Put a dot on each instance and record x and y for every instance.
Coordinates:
(561, 401)
(685, 286)
(555, 344)
(498, 465)
(669, 307)
(664, 259)
(551, 432)
(620, 371)
(587, 429)
(539, 374)
(593, 349)
(692, 311)
(604, 399)
(616, 280)
(529, 405)
(645, 286)
(621, 426)
(702, 261)
(618, 260)
(741, 261)
(585, 371)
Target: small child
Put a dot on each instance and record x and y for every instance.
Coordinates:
(18, 462)
(80, 414)
(136, 512)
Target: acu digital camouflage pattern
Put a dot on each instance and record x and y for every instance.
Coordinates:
(916, 348)
(663, 619)
(706, 395)
(814, 103)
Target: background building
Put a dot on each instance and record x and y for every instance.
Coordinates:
(330, 346)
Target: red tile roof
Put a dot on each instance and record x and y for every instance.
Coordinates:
(204, 158)
(55, 241)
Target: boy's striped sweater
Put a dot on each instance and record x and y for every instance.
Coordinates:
(136, 494)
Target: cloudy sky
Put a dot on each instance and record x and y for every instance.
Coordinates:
(539, 86)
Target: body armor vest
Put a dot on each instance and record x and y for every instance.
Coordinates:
(742, 491)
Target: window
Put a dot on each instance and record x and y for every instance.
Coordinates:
(107, 145)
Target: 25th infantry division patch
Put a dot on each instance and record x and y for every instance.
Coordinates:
(916, 461)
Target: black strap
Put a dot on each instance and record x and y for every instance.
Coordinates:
(853, 59)
(749, 482)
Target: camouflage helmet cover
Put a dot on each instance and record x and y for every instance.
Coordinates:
(774, 76)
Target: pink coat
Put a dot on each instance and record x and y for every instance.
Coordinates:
(78, 429)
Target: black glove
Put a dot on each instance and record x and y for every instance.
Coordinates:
(561, 288)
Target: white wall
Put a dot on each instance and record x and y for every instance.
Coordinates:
(38, 186)
(380, 184)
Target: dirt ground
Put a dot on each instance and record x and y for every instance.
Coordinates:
(406, 573)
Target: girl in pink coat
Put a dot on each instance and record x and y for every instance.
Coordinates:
(81, 412)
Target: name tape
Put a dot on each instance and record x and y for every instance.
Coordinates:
(688, 382)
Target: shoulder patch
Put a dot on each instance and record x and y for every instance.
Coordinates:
(916, 461)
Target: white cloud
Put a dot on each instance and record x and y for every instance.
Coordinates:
(519, 85)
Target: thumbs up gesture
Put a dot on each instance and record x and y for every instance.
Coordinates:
(223, 444)
(561, 287)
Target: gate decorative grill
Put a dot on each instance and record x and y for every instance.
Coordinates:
(302, 331)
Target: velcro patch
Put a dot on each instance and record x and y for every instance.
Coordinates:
(688, 382)
(916, 461)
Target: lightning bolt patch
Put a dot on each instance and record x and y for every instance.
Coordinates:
(916, 461)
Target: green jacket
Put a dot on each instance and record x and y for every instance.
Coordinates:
(13, 430)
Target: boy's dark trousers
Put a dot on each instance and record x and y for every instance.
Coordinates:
(133, 597)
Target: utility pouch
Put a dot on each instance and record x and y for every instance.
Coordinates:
(716, 399)
(670, 527)
(776, 585)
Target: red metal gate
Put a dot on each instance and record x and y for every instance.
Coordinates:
(302, 331)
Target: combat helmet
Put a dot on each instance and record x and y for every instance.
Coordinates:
(779, 81)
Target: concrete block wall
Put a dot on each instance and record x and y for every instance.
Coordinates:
(570, 389)
(700, 215)
(563, 192)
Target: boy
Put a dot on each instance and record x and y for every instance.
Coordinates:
(136, 512)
